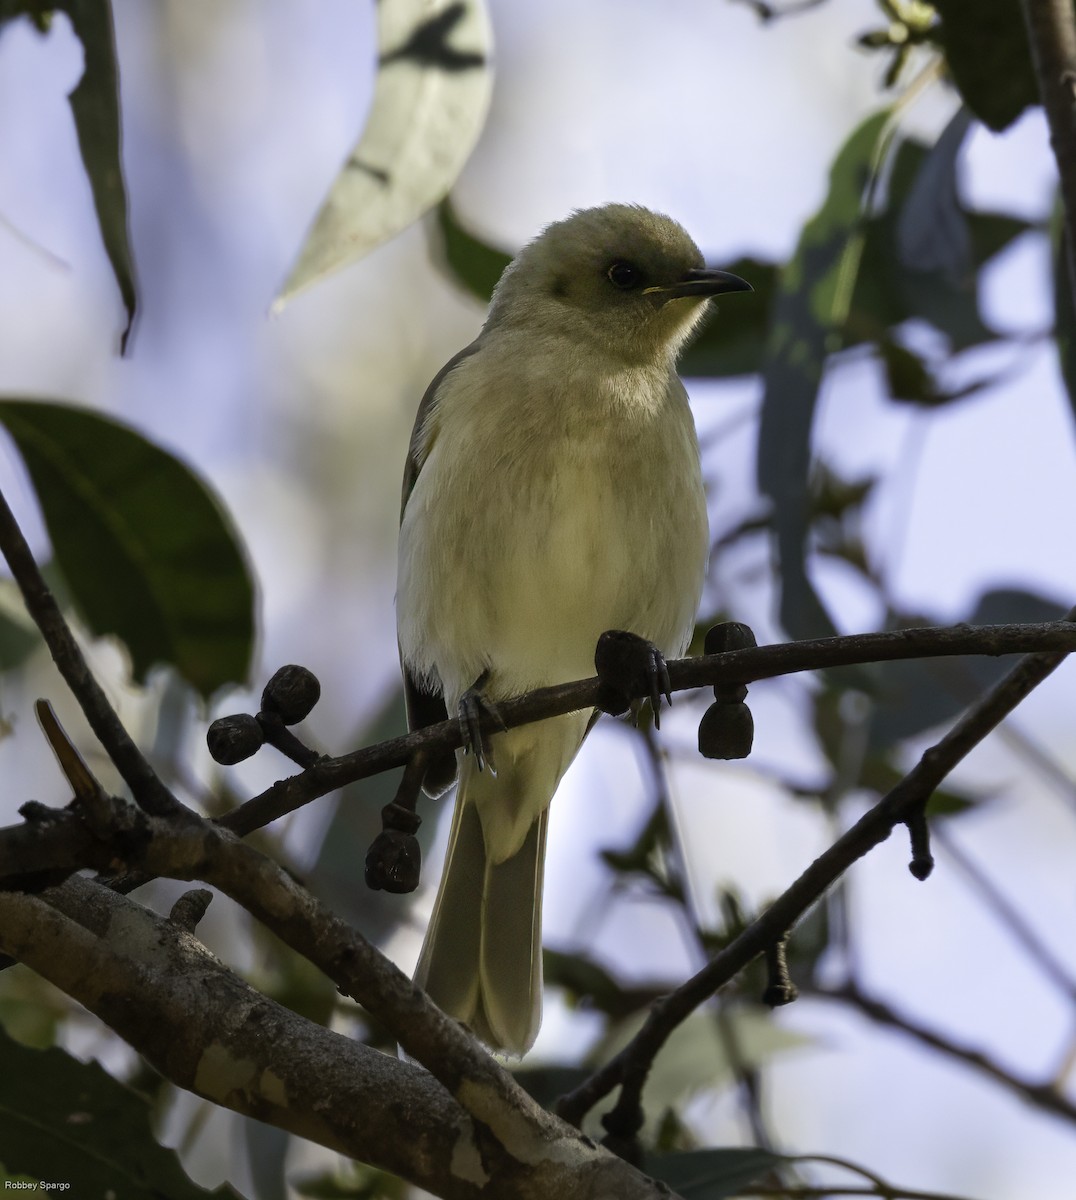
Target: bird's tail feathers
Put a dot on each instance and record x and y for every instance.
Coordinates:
(482, 958)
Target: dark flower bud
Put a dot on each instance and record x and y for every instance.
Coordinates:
(393, 862)
(291, 694)
(233, 739)
(728, 636)
(726, 731)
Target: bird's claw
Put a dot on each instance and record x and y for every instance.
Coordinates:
(474, 709)
(629, 666)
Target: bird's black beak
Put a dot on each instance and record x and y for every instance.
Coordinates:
(705, 281)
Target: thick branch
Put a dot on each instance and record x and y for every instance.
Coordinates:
(208, 1031)
(630, 1067)
(139, 776)
(740, 666)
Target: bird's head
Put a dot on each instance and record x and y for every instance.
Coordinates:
(620, 277)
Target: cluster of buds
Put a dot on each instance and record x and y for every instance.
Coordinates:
(289, 697)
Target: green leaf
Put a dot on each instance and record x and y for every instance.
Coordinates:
(95, 105)
(890, 291)
(548, 1083)
(145, 548)
(733, 341)
(63, 1121)
(430, 100)
(267, 1149)
(932, 228)
(712, 1174)
(18, 634)
(471, 262)
(986, 48)
(593, 987)
(811, 308)
(913, 695)
(356, 1181)
(697, 1057)
(912, 381)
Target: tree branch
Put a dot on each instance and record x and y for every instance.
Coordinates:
(739, 666)
(629, 1068)
(209, 1032)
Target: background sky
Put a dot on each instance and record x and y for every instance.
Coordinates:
(236, 116)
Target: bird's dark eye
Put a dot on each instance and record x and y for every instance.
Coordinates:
(624, 275)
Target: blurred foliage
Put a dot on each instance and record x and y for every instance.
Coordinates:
(712, 1174)
(64, 1121)
(95, 107)
(430, 101)
(31, 1009)
(353, 1182)
(987, 53)
(145, 549)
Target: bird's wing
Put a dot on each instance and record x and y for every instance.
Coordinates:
(417, 451)
(425, 707)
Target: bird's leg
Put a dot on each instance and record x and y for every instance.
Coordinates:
(476, 709)
(629, 666)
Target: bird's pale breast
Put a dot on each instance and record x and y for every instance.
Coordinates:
(576, 507)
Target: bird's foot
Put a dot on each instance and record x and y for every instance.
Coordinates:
(476, 714)
(628, 667)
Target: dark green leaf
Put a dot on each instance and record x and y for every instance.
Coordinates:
(64, 1121)
(17, 640)
(992, 232)
(914, 695)
(472, 263)
(809, 941)
(834, 496)
(733, 340)
(95, 105)
(809, 313)
(640, 855)
(357, 1182)
(880, 775)
(711, 1174)
(912, 381)
(547, 1084)
(1003, 606)
(267, 1156)
(38, 11)
(888, 293)
(986, 49)
(145, 548)
(932, 228)
(905, 372)
(595, 988)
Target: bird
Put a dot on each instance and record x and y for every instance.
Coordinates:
(552, 491)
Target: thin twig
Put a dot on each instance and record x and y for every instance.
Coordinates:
(1043, 1095)
(629, 1068)
(147, 789)
(739, 666)
(1023, 933)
